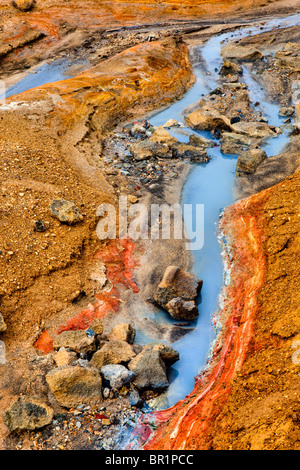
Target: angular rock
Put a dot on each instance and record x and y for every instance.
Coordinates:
(66, 211)
(206, 118)
(27, 414)
(73, 386)
(162, 136)
(231, 68)
(122, 332)
(79, 341)
(97, 326)
(234, 143)
(193, 153)
(167, 353)
(135, 399)
(150, 370)
(248, 161)
(253, 129)
(199, 141)
(182, 309)
(64, 357)
(177, 283)
(113, 352)
(286, 111)
(242, 53)
(147, 149)
(117, 375)
(172, 123)
(3, 326)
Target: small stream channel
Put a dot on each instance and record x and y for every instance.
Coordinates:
(212, 184)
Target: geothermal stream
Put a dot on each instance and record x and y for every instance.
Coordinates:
(210, 184)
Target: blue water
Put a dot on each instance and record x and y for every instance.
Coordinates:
(47, 73)
(212, 185)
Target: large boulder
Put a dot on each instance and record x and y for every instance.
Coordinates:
(177, 283)
(80, 341)
(113, 352)
(76, 385)
(248, 161)
(27, 414)
(241, 53)
(117, 375)
(122, 332)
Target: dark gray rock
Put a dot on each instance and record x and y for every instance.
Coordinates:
(249, 160)
(180, 309)
(66, 211)
(27, 414)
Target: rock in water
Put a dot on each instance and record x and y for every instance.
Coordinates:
(243, 53)
(3, 326)
(199, 141)
(193, 153)
(206, 118)
(113, 352)
(181, 286)
(182, 309)
(253, 129)
(27, 414)
(286, 111)
(66, 211)
(162, 136)
(73, 386)
(117, 375)
(231, 68)
(249, 160)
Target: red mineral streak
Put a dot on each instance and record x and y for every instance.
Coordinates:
(189, 424)
(120, 263)
(44, 342)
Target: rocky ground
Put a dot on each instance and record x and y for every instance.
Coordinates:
(85, 141)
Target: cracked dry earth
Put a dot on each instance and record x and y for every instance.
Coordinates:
(54, 144)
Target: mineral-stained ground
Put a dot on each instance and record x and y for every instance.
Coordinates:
(61, 141)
